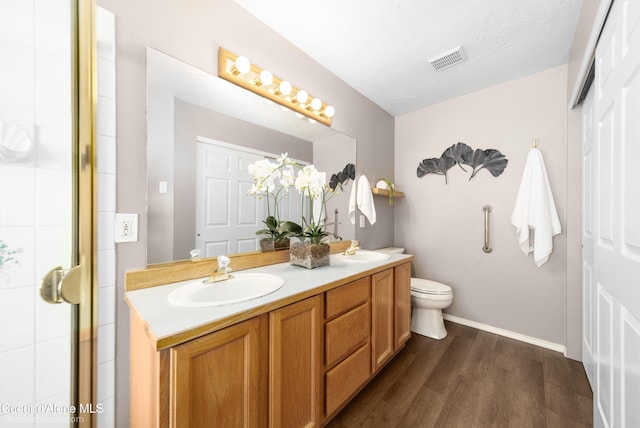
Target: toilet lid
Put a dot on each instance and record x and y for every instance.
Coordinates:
(429, 287)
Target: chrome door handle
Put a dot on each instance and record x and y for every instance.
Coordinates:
(487, 246)
(62, 285)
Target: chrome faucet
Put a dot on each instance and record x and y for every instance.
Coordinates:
(222, 273)
(355, 246)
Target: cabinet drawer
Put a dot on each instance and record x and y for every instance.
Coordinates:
(348, 296)
(346, 333)
(345, 379)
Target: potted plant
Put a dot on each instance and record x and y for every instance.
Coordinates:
(312, 248)
(272, 180)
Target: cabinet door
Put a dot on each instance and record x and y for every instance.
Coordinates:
(295, 364)
(402, 290)
(219, 380)
(382, 316)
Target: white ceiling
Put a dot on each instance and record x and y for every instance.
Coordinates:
(382, 47)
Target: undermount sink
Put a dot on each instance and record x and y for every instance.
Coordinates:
(364, 256)
(243, 286)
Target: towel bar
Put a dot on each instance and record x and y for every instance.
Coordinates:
(486, 247)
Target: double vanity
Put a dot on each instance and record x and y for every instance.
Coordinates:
(292, 357)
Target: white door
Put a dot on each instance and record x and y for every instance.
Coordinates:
(588, 291)
(227, 217)
(45, 348)
(615, 176)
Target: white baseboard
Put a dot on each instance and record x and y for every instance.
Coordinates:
(506, 333)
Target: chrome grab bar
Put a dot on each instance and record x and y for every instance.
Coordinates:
(486, 247)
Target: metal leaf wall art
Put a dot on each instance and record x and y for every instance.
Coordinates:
(461, 154)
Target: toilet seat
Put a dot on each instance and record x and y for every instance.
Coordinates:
(425, 286)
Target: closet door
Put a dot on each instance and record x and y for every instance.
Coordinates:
(616, 219)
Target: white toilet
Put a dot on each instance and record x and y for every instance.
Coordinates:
(428, 299)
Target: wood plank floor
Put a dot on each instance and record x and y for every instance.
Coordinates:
(473, 379)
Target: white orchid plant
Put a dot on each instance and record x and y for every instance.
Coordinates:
(274, 180)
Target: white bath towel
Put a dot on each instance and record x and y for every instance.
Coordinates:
(364, 199)
(535, 209)
(352, 202)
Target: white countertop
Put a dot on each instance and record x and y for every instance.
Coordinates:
(165, 320)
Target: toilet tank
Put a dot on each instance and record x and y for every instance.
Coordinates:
(391, 250)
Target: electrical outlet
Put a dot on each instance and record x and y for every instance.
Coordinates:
(361, 221)
(125, 228)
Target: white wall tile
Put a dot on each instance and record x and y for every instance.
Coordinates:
(106, 78)
(17, 21)
(53, 248)
(106, 155)
(52, 320)
(17, 304)
(106, 341)
(17, 194)
(106, 305)
(49, 417)
(107, 268)
(53, 83)
(16, 75)
(106, 193)
(52, 367)
(106, 376)
(107, 418)
(53, 21)
(53, 196)
(53, 131)
(106, 34)
(19, 114)
(17, 370)
(20, 239)
(106, 117)
(105, 231)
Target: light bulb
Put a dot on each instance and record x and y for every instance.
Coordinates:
(285, 88)
(302, 96)
(316, 104)
(243, 65)
(329, 111)
(266, 78)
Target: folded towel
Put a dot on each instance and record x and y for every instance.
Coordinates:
(364, 199)
(535, 209)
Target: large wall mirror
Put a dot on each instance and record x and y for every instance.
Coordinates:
(188, 108)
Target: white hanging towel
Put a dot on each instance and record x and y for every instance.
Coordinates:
(535, 209)
(352, 202)
(364, 199)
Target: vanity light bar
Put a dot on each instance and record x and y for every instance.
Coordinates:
(240, 71)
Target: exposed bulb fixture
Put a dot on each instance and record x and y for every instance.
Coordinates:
(284, 88)
(265, 78)
(316, 104)
(329, 111)
(302, 96)
(242, 65)
(239, 70)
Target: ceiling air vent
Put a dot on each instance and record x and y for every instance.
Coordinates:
(448, 59)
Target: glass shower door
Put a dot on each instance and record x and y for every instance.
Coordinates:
(41, 219)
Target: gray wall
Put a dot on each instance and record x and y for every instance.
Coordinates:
(442, 224)
(192, 31)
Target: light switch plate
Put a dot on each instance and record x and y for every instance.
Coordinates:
(125, 228)
(361, 221)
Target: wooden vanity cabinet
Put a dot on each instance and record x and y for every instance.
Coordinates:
(220, 379)
(347, 342)
(295, 364)
(390, 313)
